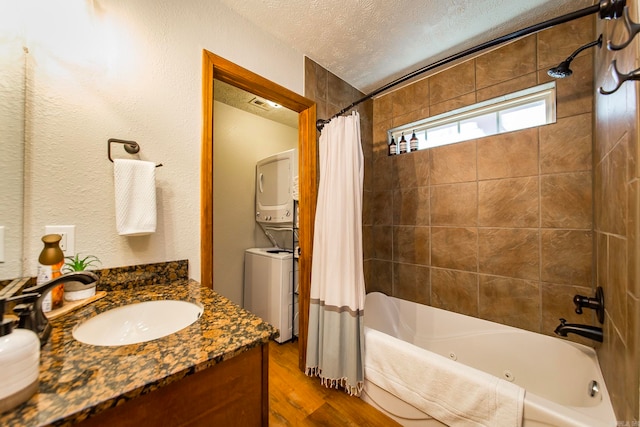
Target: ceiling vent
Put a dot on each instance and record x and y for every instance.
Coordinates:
(261, 103)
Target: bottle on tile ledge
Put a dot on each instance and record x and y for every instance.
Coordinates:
(413, 142)
(403, 144)
(50, 264)
(392, 147)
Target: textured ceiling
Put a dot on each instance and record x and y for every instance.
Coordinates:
(241, 99)
(369, 43)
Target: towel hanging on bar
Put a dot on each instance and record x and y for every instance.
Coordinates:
(135, 197)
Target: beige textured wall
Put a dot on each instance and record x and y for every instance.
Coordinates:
(128, 70)
(499, 227)
(12, 92)
(617, 219)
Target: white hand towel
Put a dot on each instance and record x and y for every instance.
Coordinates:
(135, 191)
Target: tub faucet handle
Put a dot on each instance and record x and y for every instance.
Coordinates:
(580, 301)
(596, 303)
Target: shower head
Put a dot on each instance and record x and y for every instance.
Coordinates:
(563, 70)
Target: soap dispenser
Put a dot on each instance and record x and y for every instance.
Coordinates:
(19, 360)
(50, 264)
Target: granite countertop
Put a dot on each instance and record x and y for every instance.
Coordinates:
(78, 380)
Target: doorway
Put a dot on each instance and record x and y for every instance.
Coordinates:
(216, 67)
(247, 130)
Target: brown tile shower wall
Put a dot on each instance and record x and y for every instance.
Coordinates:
(331, 94)
(508, 228)
(617, 210)
(499, 227)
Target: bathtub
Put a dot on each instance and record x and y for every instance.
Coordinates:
(556, 374)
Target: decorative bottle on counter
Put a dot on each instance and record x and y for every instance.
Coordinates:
(413, 142)
(403, 145)
(50, 264)
(393, 147)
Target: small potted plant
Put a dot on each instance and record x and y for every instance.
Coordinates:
(74, 291)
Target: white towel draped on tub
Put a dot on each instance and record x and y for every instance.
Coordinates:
(135, 192)
(452, 393)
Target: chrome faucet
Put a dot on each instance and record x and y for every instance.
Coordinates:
(587, 331)
(31, 315)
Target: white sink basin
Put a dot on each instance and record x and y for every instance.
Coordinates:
(136, 323)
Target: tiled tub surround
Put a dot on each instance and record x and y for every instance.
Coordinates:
(499, 227)
(554, 374)
(574, 236)
(78, 380)
(617, 218)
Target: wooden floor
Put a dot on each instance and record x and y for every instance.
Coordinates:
(298, 400)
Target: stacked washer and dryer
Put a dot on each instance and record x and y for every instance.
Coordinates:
(271, 274)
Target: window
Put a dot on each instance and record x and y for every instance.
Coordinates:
(527, 108)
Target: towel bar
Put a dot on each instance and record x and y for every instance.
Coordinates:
(130, 147)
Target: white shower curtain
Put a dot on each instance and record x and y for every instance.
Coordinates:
(335, 344)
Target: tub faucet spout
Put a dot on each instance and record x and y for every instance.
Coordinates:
(587, 331)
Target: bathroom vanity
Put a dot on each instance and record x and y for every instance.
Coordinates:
(213, 372)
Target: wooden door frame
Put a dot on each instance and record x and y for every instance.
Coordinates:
(216, 67)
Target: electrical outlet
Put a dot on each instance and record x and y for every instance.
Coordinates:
(68, 233)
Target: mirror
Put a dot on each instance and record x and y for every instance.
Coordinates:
(13, 65)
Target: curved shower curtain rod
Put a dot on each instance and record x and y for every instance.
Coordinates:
(608, 9)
